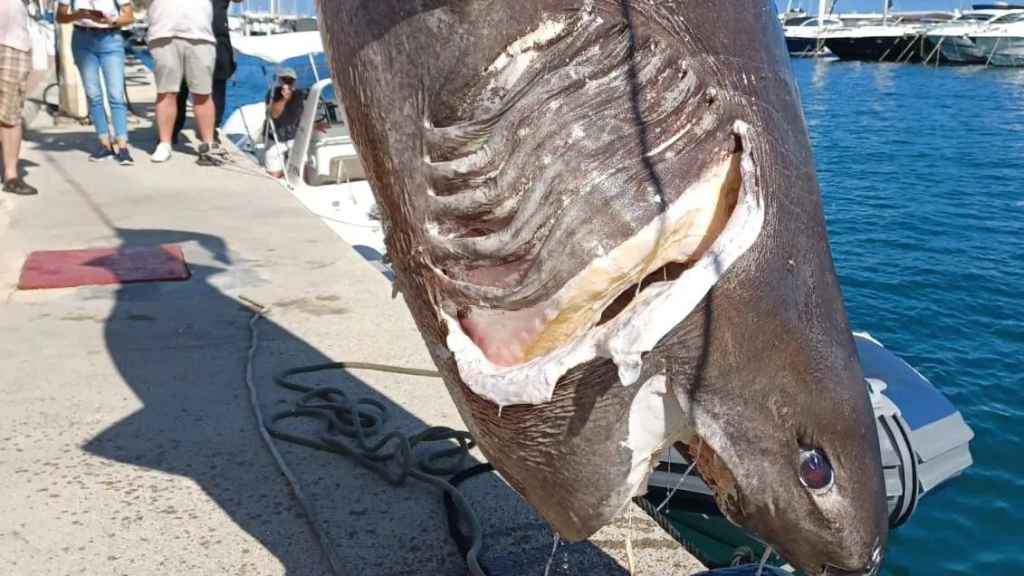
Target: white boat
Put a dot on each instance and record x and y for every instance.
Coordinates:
(1001, 45)
(322, 169)
(895, 39)
(952, 39)
(805, 39)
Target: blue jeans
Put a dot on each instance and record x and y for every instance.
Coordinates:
(95, 51)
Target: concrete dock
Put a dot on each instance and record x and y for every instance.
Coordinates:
(128, 445)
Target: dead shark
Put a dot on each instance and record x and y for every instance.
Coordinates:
(605, 220)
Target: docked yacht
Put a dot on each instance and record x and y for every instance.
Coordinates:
(951, 40)
(804, 39)
(894, 39)
(1001, 45)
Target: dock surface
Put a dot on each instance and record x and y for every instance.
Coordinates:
(128, 444)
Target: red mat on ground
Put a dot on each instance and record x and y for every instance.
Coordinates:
(94, 266)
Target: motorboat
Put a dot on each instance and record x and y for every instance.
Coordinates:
(924, 441)
(950, 42)
(885, 43)
(262, 24)
(322, 169)
(894, 39)
(1001, 45)
(804, 40)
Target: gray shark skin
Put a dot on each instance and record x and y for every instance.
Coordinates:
(605, 220)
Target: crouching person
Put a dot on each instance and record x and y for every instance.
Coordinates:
(285, 104)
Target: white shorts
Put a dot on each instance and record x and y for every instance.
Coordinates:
(274, 157)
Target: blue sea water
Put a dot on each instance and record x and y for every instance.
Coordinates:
(922, 173)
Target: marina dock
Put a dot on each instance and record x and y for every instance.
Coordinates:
(127, 439)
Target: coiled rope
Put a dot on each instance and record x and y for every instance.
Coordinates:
(349, 419)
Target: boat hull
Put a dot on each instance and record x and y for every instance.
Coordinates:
(803, 47)
(955, 50)
(875, 48)
(1001, 50)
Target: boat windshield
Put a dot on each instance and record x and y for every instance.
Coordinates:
(976, 17)
(1008, 18)
(332, 157)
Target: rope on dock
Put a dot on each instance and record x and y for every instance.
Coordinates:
(360, 418)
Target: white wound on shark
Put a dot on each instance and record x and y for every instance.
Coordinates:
(570, 330)
(514, 60)
(655, 421)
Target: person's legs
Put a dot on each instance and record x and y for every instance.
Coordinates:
(220, 90)
(83, 48)
(224, 68)
(168, 71)
(182, 113)
(274, 158)
(166, 112)
(15, 66)
(10, 140)
(200, 58)
(203, 110)
(110, 53)
(199, 63)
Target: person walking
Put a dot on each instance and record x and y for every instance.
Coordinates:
(183, 47)
(97, 45)
(223, 69)
(15, 66)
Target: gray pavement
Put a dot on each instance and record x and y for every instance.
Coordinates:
(127, 442)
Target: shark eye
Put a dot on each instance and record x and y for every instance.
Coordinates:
(815, 470)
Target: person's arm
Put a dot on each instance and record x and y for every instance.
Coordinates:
(125, 17)
(66, 16)
(279, 101)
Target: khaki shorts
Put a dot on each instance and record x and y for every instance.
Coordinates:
(15, 67)
(175, 59)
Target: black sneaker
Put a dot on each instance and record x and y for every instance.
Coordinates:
(211, 155)
(206, 157)
(102, 153)
(19, 187)
(124, 158)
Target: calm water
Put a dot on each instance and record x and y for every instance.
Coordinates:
(922, 171)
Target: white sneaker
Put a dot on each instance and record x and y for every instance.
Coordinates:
(162, 153)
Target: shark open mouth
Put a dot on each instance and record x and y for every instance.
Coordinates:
(623, 301)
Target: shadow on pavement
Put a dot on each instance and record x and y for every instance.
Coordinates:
(181, 347)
